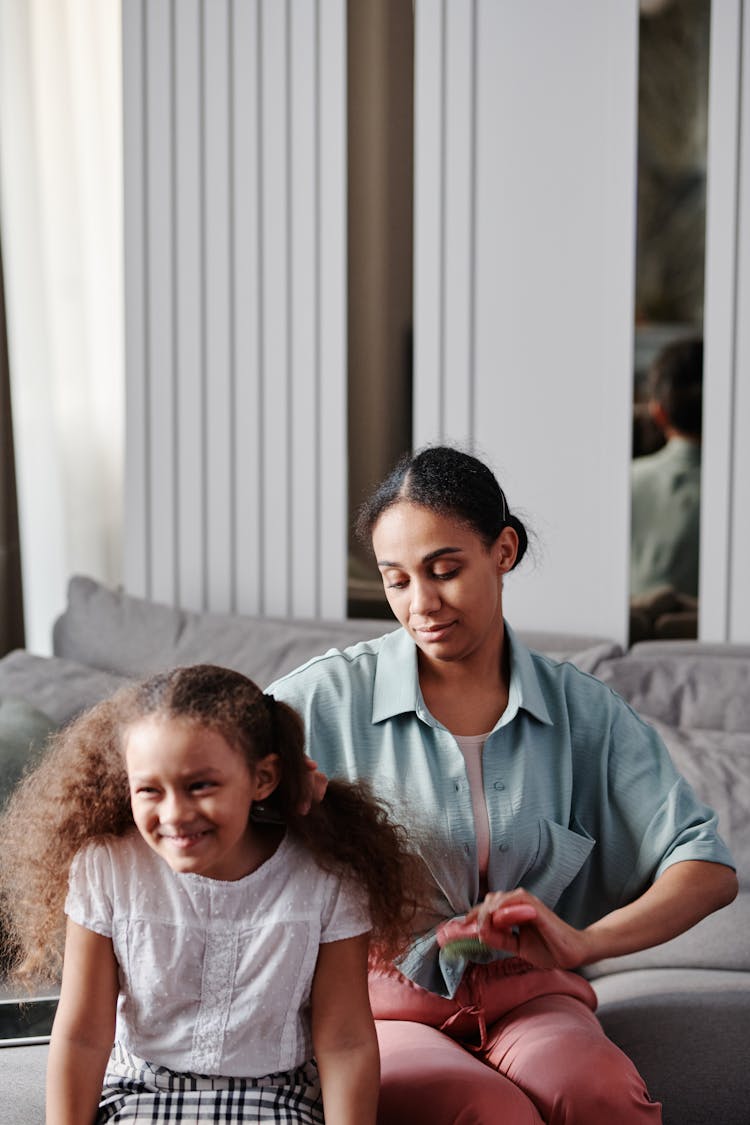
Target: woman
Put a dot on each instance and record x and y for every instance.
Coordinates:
(521, 781)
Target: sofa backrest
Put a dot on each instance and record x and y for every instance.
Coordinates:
(685, 683)
(117, 632)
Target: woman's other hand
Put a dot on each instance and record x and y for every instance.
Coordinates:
(519, 923)
(315, 785)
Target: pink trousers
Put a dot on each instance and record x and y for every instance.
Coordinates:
(516, 1046)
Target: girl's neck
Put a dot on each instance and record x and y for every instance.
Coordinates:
(264, 840)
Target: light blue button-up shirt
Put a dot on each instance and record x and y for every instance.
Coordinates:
(585, 807)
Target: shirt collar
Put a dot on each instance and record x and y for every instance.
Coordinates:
(524, 679)
(681, 450)
(396, 687)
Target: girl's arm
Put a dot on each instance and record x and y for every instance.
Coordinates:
(84, 1028)
(344, 1040)
(682, 895)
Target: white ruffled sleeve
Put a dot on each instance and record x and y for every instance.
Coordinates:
(90, 889)
(346, 914)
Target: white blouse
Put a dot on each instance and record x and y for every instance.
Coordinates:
(215, 976)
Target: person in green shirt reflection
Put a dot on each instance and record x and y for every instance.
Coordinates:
(665, 486)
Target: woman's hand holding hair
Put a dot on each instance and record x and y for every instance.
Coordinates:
(315, 785)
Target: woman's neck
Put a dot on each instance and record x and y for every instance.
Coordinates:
(467, 696)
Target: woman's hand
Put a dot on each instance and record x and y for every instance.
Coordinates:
(315, 784)
(682, 895)
(520, 924)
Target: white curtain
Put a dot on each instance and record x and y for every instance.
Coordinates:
(61, 223)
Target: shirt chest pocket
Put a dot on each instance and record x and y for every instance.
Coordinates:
(560, 855)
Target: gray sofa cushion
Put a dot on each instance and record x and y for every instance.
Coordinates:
(23, 1075)
(687, 1031)
(59, 688)
(116, 632)
(685, 684)
(23, 734)
(717, 942)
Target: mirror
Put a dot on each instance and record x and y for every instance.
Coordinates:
(672, 155)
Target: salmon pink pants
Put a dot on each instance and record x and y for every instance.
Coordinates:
(516, 1046)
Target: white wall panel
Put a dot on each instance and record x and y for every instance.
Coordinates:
(739, 615)
(190, 496)
(136, 540)
(160, 290)
(725, 482)
(330, 471)
(720, 315)
(235, 206)
(524, 341)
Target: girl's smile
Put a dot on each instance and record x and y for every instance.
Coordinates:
(191, 793)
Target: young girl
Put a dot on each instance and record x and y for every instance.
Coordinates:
(215, 933)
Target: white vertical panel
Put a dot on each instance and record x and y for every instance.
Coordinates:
(303, 92)
(458, 231)
(219, 405)
(248, 327)
(136, 546)
(191, 498)
(331, 468)
(553, 156)
(429, 206)
(237, 439)
(740, 544)
(160, 325)
(719, 320)
(275, 254)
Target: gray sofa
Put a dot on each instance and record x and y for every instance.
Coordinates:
(681, 1011)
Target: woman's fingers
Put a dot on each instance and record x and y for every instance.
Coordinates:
(514, 914)
(315, 785)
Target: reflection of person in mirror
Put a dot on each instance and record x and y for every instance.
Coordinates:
(666, 484)
(552, 823)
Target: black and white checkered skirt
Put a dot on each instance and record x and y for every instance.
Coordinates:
(137, 1092)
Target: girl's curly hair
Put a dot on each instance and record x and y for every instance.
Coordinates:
(80, 792)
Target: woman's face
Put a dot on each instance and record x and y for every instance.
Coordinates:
(443, 584)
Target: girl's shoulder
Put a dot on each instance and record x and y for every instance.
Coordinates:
(120, 857)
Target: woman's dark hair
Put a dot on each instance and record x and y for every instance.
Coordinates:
(80, 792)
(450, 482)
(675, 381)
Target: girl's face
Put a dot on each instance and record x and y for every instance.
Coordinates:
(442, 583)
(191, 793)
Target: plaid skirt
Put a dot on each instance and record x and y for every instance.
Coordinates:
(137, 1092)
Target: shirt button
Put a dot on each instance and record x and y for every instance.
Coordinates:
(503, 847)
(499, 785)
(467, 849)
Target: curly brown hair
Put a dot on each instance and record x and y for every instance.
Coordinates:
(80, 792)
